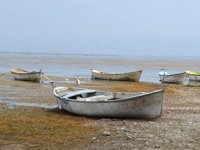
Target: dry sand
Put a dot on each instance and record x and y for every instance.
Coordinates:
(23, 127)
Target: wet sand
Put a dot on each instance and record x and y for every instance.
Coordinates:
(26, 127)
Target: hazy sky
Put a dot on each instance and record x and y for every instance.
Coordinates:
(141, 27)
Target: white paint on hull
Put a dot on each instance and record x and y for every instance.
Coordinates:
(194, 78)
(146, 106)
(27, 77)
(178, 78)
(129, 76)
(19, 74)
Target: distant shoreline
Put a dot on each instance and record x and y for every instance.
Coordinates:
(102, 55)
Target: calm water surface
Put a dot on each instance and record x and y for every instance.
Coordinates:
(66, 65)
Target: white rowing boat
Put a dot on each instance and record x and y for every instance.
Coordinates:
(24, 75)
(110, 104)
(193, 75)
(128, 76)
(172, 78)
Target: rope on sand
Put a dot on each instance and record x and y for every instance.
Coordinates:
(77, 80)
(46, 77)
(50, 81)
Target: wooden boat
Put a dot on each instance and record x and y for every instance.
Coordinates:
(1, 74)
(193, 83)
(193, 75)
(24, 75)
(110, 104)
(172, 78)
(129, 76)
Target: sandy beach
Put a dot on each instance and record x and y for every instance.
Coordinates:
(154, 43)
(46, 127)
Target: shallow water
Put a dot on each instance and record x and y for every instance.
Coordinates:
(12, 104)
(79, 65)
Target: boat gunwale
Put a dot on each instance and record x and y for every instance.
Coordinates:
(113, 101)
(27, 73)
(24, 72)
(192, 74)
(173, 74)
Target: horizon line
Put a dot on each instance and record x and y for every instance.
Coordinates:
(87, 54)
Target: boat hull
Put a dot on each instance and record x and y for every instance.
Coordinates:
(129, 76)
(146, 106)
(34, 77)
(193, 83)
(194, 77)
(176, 78)
(23, 75)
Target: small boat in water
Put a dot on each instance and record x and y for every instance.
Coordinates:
(128, 76)
(172, 78)
(24, 75)
(110, 104)
(193, 75)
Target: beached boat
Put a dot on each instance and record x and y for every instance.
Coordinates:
(172, 78)
(1, 74)
(110, 104)
(24, 75)
(129, 76)
(193, 75)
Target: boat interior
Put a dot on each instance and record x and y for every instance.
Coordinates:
(93, 95)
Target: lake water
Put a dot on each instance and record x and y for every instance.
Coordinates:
(68, 65)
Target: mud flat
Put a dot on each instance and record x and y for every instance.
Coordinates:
(31, 127)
